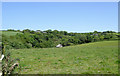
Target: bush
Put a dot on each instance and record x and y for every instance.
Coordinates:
(17, 45)
(9, 47)
(28, 45)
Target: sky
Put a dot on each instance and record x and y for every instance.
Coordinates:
(63, 16)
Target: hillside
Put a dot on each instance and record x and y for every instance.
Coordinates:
(16, 39)
(90, 58)
(10, 33)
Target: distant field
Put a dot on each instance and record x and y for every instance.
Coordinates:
(10, 33)
(91, 58)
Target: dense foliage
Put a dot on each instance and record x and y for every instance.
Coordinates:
(44, 39)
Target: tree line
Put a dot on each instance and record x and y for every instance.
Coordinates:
(46, 39)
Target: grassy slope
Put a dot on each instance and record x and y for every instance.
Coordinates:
(9, 33)
(91, 58)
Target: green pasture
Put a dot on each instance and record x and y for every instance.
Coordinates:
(9, 33)
(90, 58)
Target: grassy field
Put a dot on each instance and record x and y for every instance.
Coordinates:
(9, 33)
(91, 58)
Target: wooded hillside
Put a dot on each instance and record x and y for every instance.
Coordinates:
(16, 39)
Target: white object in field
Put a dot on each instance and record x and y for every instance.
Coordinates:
(2, 57)
(59, 45)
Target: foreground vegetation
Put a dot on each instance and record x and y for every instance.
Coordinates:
(90, 58)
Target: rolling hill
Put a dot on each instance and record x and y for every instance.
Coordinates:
(10, 33)
(90, 58)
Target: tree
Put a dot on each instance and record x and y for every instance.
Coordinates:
(95, 32)
(101, 37)
(89, 38)
(83, 38)
(48, 31)
(96, 38)
(107, 36)
(26, 30)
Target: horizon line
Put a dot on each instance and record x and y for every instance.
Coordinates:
(58, 30)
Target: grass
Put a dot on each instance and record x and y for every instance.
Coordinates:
(10, 33)
(90, 58)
